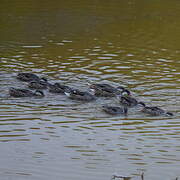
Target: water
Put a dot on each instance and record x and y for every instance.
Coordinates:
(131, 43)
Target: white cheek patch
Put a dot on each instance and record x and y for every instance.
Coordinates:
(67, 94)
(93, 90)
(124, 93)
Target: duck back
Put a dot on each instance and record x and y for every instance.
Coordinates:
(27, 77)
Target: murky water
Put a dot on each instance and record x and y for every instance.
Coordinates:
(131, 43)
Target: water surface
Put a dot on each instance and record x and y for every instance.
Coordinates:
(130, 43)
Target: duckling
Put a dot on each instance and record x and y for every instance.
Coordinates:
(41, 84)
(114, 110)
(24, 93)
(154, 110)
(106, 90)
(27, 77)
(76, 94)
(58, 88)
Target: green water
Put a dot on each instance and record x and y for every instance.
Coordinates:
(133, 43)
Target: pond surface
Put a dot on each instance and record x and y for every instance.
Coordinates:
(134, 43)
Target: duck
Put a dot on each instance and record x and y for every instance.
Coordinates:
(76, 94)
(115, 110)
(24, 93)
(106, 90)
(154, 110)
(41, 84)
(27, 77)
(128, 101)
(58, 88)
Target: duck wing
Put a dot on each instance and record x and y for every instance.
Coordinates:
(27, 77)
(20, 92)
(154, 111)
(128, 101)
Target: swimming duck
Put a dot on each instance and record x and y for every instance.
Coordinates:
(40, 84)
(106, 90)
(127, 100)
(79, 95)
(58, 88)
(24, 93)
(154, 110)
(27, 77)
(114, 110)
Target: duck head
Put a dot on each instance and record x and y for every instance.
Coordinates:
(44, 79)
(11, 89)
(126, 92)
(68, 91)
(169, 113)
(33, 83)
(39, 93)
(56, 85)
(93, 87)
(120, 88)
(104, 106)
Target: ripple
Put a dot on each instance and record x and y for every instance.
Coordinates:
(58, 138)
(32, 46)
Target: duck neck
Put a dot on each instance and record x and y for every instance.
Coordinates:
(141, 103)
